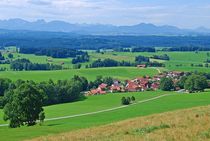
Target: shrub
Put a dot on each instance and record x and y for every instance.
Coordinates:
(133, 98)
(125, 101)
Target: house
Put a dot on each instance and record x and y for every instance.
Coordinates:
(132, 87)
(103, 86)
(94, 92)
(115, 88)
(142, 66)
(97, 91)
(155, 86)
(143, 83)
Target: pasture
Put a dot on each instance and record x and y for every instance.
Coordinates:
(121, 73)
(185, 125)
(179, 61)
(164, 104)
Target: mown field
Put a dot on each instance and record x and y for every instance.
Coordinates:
(164, 104)
(183, 125)
(121, 73)
(178, 60)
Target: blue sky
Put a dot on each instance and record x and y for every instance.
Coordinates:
(181, 13)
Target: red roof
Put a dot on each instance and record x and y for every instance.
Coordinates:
(132, 86)
(95, 91)
(114, 87)
(102, 86)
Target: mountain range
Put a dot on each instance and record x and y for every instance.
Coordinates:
(99, 29)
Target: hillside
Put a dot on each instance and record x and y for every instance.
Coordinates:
(93, 104)
(186, 125)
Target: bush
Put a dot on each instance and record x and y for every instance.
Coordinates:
(125, 101)
(133, 98)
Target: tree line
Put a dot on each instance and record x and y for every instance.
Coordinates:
(113, 63)
(187, 48)
(22, 101)
(40, 39)
(52, 52)
(191, 82)
(25, 64)
(161, 57)
(108, 63)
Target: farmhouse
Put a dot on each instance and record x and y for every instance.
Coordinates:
(142, 66)
(132, 87)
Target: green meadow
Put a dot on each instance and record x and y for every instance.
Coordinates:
(96, 103)
(121, 73)
(178, 60)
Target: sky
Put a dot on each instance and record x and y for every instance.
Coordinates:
(180, 13)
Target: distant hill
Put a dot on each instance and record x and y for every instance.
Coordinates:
(98, 29)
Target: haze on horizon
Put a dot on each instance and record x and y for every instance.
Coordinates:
(180, 13)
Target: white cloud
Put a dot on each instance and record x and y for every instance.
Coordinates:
(40, 2)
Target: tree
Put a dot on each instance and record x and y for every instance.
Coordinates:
(4, 85)
(108, 81)
(77, 66)
(141, 59)
(125, 101)
(23, 106)
(82, 80)
(195, 83)
(133, 98)
(182, 82)
(10, 55)
(1, 56)
(41, 117)
(166, 84)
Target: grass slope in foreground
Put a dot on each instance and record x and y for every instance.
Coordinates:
(91, 104)
(164, 104)
(185, 125)
(122, 73)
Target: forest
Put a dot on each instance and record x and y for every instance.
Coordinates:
(31, 39)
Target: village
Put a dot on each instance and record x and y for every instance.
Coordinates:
(145, 83)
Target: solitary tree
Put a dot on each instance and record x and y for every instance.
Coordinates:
(24, 104)
(125, 101)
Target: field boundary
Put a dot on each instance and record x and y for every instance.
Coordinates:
(102, 111)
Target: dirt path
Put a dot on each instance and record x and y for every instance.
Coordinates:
(101, 111)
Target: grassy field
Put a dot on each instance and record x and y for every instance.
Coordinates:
(184, 125)
(91, 104)
(176, 59)
(122, 73)
(164, 104)
(185, 59)
(180, 61)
